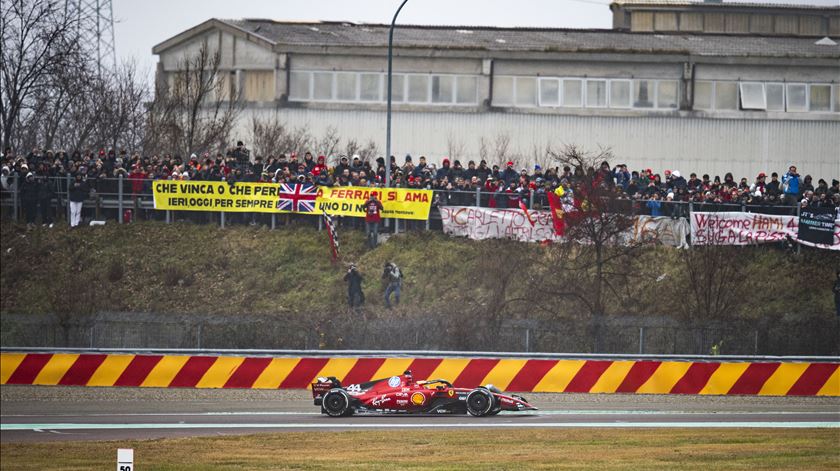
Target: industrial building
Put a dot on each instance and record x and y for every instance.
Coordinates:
(697, 86)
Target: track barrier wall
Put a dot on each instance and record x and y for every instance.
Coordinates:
(776, 377)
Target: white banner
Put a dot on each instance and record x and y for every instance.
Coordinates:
(662, 229)
(491, 223)
(738, 228)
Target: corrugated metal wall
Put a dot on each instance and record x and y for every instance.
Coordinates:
(715, 146)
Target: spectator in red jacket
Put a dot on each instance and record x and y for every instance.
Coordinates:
(373, 216)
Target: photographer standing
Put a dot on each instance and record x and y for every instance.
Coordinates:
(393, 278)
(355, 296)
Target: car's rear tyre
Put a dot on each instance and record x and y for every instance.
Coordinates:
(336, 403)
(480, 402)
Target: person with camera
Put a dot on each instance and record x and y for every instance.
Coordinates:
(355, 296)
(393, 277)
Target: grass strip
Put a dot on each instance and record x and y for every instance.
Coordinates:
(431, 450)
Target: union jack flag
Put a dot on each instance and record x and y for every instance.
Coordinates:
(297, 197)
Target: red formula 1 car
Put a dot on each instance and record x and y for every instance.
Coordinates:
(401, 394)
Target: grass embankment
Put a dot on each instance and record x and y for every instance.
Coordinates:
(674, 449)
(185, 268)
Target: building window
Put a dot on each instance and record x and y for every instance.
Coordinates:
(526, 91)
(442, 88)
(369, 87)
(345, 86)
(666, 94)
(322, 88)
(259, 85)
(835, 91)
(549, 92)
(596, 93)
(775, 96)
(397, 87)
(503, 91)
(418, 88)
(753, 96)
(466, 90)
(573, 92)
(797, 97)
(820, 98)
(299, 85)
(703, 93)
(619, 93)
(643, 94)
(726, 96)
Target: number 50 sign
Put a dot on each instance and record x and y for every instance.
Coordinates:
(125, 459)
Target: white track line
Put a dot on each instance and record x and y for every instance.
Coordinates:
(539, 412)
(473, 424)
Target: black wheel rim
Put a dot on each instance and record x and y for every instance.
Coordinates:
(335, 402)
(478, 402)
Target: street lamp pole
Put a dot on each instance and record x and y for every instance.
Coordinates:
(390, 68)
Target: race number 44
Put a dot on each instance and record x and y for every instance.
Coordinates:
(125, 459)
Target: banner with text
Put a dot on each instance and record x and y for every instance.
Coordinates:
(739, 228)
(400, 203)
(239, 197)
(287, 198)
(490, 223)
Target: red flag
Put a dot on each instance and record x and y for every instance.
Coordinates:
(556, 213)
(525, 210)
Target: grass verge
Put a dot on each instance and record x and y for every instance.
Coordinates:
(430, 450)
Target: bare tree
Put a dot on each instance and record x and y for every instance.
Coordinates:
(197, 110)
(366, 152)
(501, 147)
(328, 144)
(715, 279)
(38, 46)
(592, 264)
(267, 135)
(454, 147)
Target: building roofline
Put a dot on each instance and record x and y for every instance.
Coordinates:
(209, 25)
(682, 4)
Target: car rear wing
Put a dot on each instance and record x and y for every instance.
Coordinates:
(322, 386)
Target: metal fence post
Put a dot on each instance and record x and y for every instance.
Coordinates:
(168, 216)
(798, 213)
(531, 201)
(69, 182)
(273, 221)
(120, 211)
(527, 340)
(641, 340)
(320, 224)
(222, 220)
(477, 197)
(15, 188)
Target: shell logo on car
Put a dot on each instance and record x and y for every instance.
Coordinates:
(418, 399)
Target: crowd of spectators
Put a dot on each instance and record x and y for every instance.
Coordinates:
(504, 185)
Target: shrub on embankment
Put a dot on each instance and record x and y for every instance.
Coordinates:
(466, 286)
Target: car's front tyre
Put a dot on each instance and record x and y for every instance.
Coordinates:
(480, 402)
(336, 403)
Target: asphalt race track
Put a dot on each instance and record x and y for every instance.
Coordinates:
(39, 414)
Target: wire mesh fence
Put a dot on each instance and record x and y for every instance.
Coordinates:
(349, 330)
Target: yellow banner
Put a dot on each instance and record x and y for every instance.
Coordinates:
(239, 197)
(400, 203)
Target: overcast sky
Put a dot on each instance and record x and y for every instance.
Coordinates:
(139, 25)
